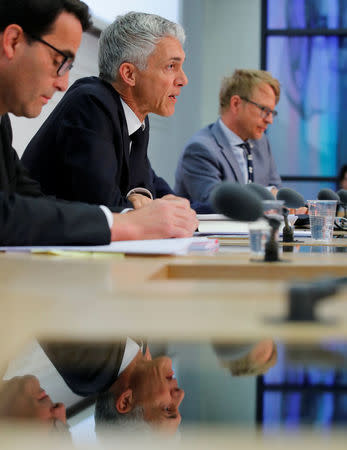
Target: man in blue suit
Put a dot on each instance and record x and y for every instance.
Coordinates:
(234, 148)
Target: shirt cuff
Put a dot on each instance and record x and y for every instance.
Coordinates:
(140, 190)
(108, 214)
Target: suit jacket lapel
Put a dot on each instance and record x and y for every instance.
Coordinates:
(5, 137)
(227, 151)
(125, 177)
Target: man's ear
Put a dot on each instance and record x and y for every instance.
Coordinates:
(235, 102)
(127, 72)
(11, 37)
(124, 403)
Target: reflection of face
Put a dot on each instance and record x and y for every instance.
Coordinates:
(23, 397)
(34, 67)
(157, 392)
(249, 121)
(160, 83)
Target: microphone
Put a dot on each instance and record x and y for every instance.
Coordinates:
(265, 194)
(260, 190)
(292, 199)
(328, 194)
(235, 201)
(342, 193)
(240, 203)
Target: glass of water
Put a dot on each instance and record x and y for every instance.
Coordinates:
(322, 214)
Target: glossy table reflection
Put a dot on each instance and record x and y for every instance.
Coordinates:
(195, 298)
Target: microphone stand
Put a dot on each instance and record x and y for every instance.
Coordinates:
(288, 234)
(271, 246)
(303, 297)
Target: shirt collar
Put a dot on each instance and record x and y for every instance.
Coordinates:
(233, 139)
(131, 350)
(133, 122)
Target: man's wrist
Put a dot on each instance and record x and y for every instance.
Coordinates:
(108, 215)
(140, 190)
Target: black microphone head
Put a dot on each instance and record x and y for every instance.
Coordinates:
(342, 193)
(291, 198)
(260, 190)
(328, 194)
(235, 201)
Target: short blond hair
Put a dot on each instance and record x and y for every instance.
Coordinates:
(242, 83)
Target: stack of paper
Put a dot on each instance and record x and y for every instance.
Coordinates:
(219, 224)
(148, 247)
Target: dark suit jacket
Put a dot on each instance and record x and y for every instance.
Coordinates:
(13, 176)
(208, 159)
(81, 152)
(25, 220)
(87, 368)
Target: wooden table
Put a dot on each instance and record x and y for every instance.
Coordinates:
(198, 297)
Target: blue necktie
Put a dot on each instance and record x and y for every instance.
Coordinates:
(247, 148)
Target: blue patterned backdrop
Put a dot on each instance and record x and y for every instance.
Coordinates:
(308, 137)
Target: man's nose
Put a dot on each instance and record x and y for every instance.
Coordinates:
(62, 83)
(269, 118)
(177, 395)
(182, 80)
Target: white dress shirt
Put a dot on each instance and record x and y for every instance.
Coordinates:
(133, 124)
(131, 350)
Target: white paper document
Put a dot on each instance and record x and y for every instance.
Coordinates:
(218, 224)
(178, 246)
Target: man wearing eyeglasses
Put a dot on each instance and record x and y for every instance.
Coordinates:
(38, 43)
(234, 148)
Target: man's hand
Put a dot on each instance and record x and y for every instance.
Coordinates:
(298, 211)
(172, 197)
(161, 218)
(139, 200)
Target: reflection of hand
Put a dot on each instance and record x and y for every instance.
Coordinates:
(161, 218)
(298, 211)
(139, 200)
(257, 361)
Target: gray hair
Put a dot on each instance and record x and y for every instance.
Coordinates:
(106, 415)
(132, 38)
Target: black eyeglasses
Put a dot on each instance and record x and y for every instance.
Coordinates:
(265, 111)
(67, 62)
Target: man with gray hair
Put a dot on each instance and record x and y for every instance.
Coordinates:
(132, 389)
(93, 147)
(234, 148)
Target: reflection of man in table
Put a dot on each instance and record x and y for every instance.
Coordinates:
(132, 387)
(93, 147)
(234, 148)
(23, 398)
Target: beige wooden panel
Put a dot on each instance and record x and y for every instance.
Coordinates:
(198, 438)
